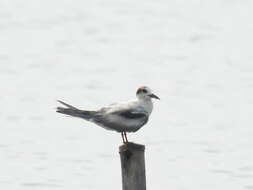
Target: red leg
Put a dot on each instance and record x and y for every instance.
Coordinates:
(122, 135)
(126, 137)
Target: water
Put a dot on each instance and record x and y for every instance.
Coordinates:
(195, 55)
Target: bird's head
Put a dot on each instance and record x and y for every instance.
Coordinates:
(145, 92)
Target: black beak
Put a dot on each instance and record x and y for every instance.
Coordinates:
(154, 96)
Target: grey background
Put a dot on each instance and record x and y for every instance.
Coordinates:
(195, 55)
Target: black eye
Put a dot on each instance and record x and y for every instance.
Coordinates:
(142, 90)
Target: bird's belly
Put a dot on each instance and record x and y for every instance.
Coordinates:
(120, 124)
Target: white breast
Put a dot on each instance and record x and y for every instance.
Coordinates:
(146, 105)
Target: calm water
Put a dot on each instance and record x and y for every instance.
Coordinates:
(195, 55)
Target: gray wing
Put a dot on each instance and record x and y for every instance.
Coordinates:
(131, 114)
(128, 120)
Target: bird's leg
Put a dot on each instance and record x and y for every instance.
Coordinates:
(126, 137)
(122, 135)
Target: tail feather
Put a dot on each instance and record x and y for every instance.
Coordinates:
(65, 104)
(73, 111)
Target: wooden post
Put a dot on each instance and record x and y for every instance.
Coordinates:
(133, 166)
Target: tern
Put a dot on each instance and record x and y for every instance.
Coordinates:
(121, 117)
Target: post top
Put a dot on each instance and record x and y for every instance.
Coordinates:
(131, 146)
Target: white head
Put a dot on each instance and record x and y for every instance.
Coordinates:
(145, 93)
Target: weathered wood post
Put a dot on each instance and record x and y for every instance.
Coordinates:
(133, 166)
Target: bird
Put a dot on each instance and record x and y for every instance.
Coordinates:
(123, 117)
